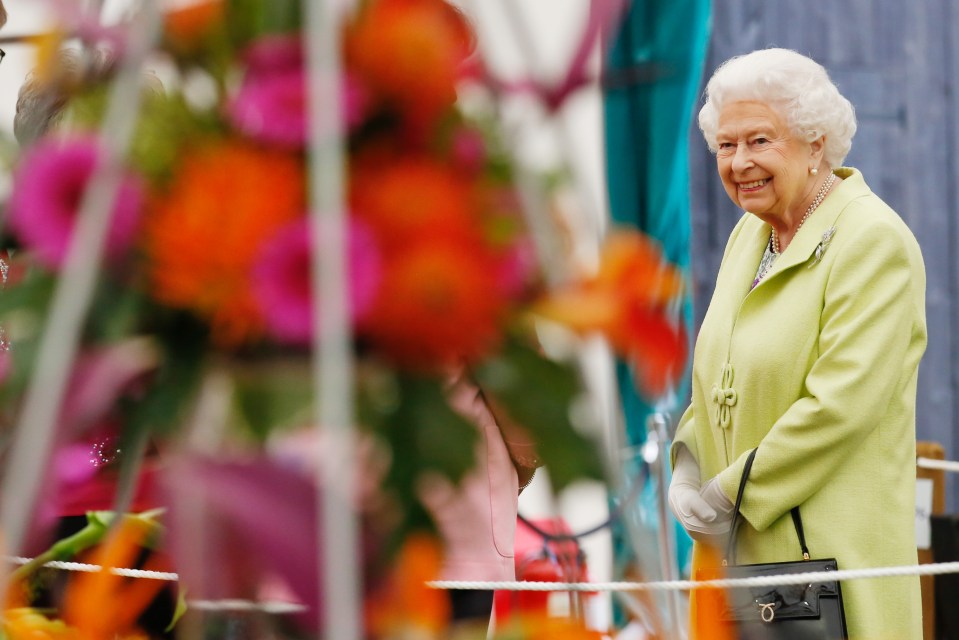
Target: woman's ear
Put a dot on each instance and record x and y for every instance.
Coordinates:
(817, 149)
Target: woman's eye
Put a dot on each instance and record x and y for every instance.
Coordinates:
(760, 141)
(723, 146)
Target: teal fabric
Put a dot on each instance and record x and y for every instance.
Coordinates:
(653, 72)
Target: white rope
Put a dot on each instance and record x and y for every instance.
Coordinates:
(930, 463)
(686, 585)
(274, 607)
(94, 568)
(269, 607)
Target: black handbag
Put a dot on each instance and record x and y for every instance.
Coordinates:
(812, 611)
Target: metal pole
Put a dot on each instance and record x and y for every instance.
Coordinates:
(656, 434)
(332, 361)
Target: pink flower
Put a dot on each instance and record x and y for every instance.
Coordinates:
(281, 279)
(517, 268)
(48, 187)
(469, 149)
(271, 108)
(274, 53)
(74, 18)
(271, 104)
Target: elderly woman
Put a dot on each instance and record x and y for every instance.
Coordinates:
(809, 349)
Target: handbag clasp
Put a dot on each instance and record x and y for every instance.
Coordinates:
(768, 608)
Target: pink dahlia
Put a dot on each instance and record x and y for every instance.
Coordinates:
(271, 108)
(48, 187)
(281, 279)
(273, 53)
(271, 104)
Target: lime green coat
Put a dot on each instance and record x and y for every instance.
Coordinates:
(817, 367)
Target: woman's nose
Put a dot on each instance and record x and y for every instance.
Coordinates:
(742, 159)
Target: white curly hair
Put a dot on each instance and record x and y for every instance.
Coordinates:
(795, 86)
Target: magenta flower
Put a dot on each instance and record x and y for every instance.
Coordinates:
(47, 190)
(274, 53)
(469, 149)
(271, 104)
(281, 279)
(516, 269)
(271, 108)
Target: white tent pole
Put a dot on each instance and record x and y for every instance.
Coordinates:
(332, 361)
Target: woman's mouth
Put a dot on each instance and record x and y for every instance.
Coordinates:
(752, 186)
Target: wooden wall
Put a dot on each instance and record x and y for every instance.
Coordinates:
(899, 66)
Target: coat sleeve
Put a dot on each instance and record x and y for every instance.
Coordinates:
(869, 320)
(685, 435)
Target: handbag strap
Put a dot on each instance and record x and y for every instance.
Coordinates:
(730, 555)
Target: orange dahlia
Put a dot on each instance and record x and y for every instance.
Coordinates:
(405, 606)
(187, 26)
(440, 299)
(205, 231)
(408, 52)
(403, 198)
(628, 301)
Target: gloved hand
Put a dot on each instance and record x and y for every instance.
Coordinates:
(723, 506)
(704, 512)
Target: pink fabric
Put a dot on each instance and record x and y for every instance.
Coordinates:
(477, 519)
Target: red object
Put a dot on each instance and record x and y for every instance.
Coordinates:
(100, 491)
(542, 560)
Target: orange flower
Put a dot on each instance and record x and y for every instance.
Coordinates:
(706, 606)
(187, 26)
(103, 605)
(409, 52)
(28, 624)
(204, 233)
(440, 300)
(402, 199)
(633, 265)
(404, 603)
(627, 301)
(544, 627)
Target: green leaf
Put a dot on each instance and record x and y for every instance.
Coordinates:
(116, 312)
(424, 434)
(162, 408)
(32, 293)
(538, 393)
(274, 394)
(180, 607)
(440, 438)
(249, 19)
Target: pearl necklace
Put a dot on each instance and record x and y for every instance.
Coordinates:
(826, 186)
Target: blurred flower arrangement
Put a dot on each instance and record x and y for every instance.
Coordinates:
(206, 285)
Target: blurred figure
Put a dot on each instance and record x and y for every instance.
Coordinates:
(476, 519)
(43, 102)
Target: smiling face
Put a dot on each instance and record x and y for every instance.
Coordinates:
(763, 166)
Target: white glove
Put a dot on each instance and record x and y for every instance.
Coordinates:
(704, 512)
(723, 506)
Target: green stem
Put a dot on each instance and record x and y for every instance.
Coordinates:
(63, 549)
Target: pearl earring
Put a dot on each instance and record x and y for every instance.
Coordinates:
(814, 171)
